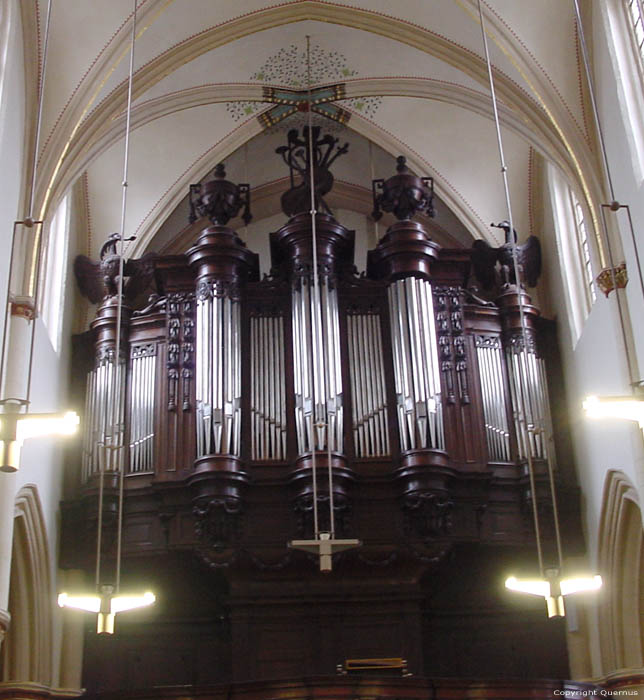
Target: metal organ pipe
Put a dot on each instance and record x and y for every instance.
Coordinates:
(416, 373)
(268, 412)
(318, 378)
(218, 357)
(530, 405)
(222, 264)
(142, 401)
(366, 372)
(493, 395)
(105, 404)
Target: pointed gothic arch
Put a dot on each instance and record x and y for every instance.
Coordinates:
(621, 560)
(27, 650)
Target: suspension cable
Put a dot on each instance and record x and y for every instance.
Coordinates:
(524, 334)
(316, 292)
(121, 241)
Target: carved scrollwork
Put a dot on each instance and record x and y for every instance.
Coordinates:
(451, 341)
(155, 303)
(218, 521)
(516, 342)
(303, 508)
(180, 347)
(305, 270)
(427, 514)
(216, 288)
(105, 354)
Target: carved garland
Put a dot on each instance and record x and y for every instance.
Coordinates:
(451, 342)
(180, 343)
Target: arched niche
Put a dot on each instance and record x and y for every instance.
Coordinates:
(621, 561)
(27, 649)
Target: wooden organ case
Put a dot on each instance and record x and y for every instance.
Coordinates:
(410, 387)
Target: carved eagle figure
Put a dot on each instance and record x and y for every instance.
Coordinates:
(99, 280)
(528, 257)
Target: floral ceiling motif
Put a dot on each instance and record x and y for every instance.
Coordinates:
(288, 68)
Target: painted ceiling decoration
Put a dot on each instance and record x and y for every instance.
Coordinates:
(288, 70)
(407, 78)
(319, 101)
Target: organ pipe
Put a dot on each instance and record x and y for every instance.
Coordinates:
(493, 397)
(268, 393)
(529, 393)
(105, 400)
(317, 366)
(218, 376)
(142, 402)
(104, 431)
(416, 369)
(366, 372)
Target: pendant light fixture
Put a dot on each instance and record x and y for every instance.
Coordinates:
(15, 425)
(551, 585)
(324, 543)
(108, 601)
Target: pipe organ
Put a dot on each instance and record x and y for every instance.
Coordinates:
(268, 390)
(317, 378)
(415, 392)
(369, 416)
(218, 375)
(141, 407)
(415, 360)
(489, 355)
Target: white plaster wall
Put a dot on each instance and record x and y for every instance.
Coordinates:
(42, 461)
(11, 157)
(628, 189)
(597, 363)
(12, 98)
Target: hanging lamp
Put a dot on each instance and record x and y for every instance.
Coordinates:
(108, 600)
(324, 543)
(550, 585)
(16, 426)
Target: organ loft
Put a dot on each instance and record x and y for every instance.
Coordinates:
(324, 472)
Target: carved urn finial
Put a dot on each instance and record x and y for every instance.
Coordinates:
(220, 200)
(403, 194)
(296, 154)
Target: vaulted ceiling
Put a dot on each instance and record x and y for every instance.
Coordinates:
(412, 80)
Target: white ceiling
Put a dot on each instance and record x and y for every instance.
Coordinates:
(419, 62)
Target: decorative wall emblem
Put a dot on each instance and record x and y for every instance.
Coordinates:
(606, 276)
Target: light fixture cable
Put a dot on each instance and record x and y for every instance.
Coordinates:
(115, 378)
(29, 222)
(316, 292)
(126, 162)
(524, 334)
